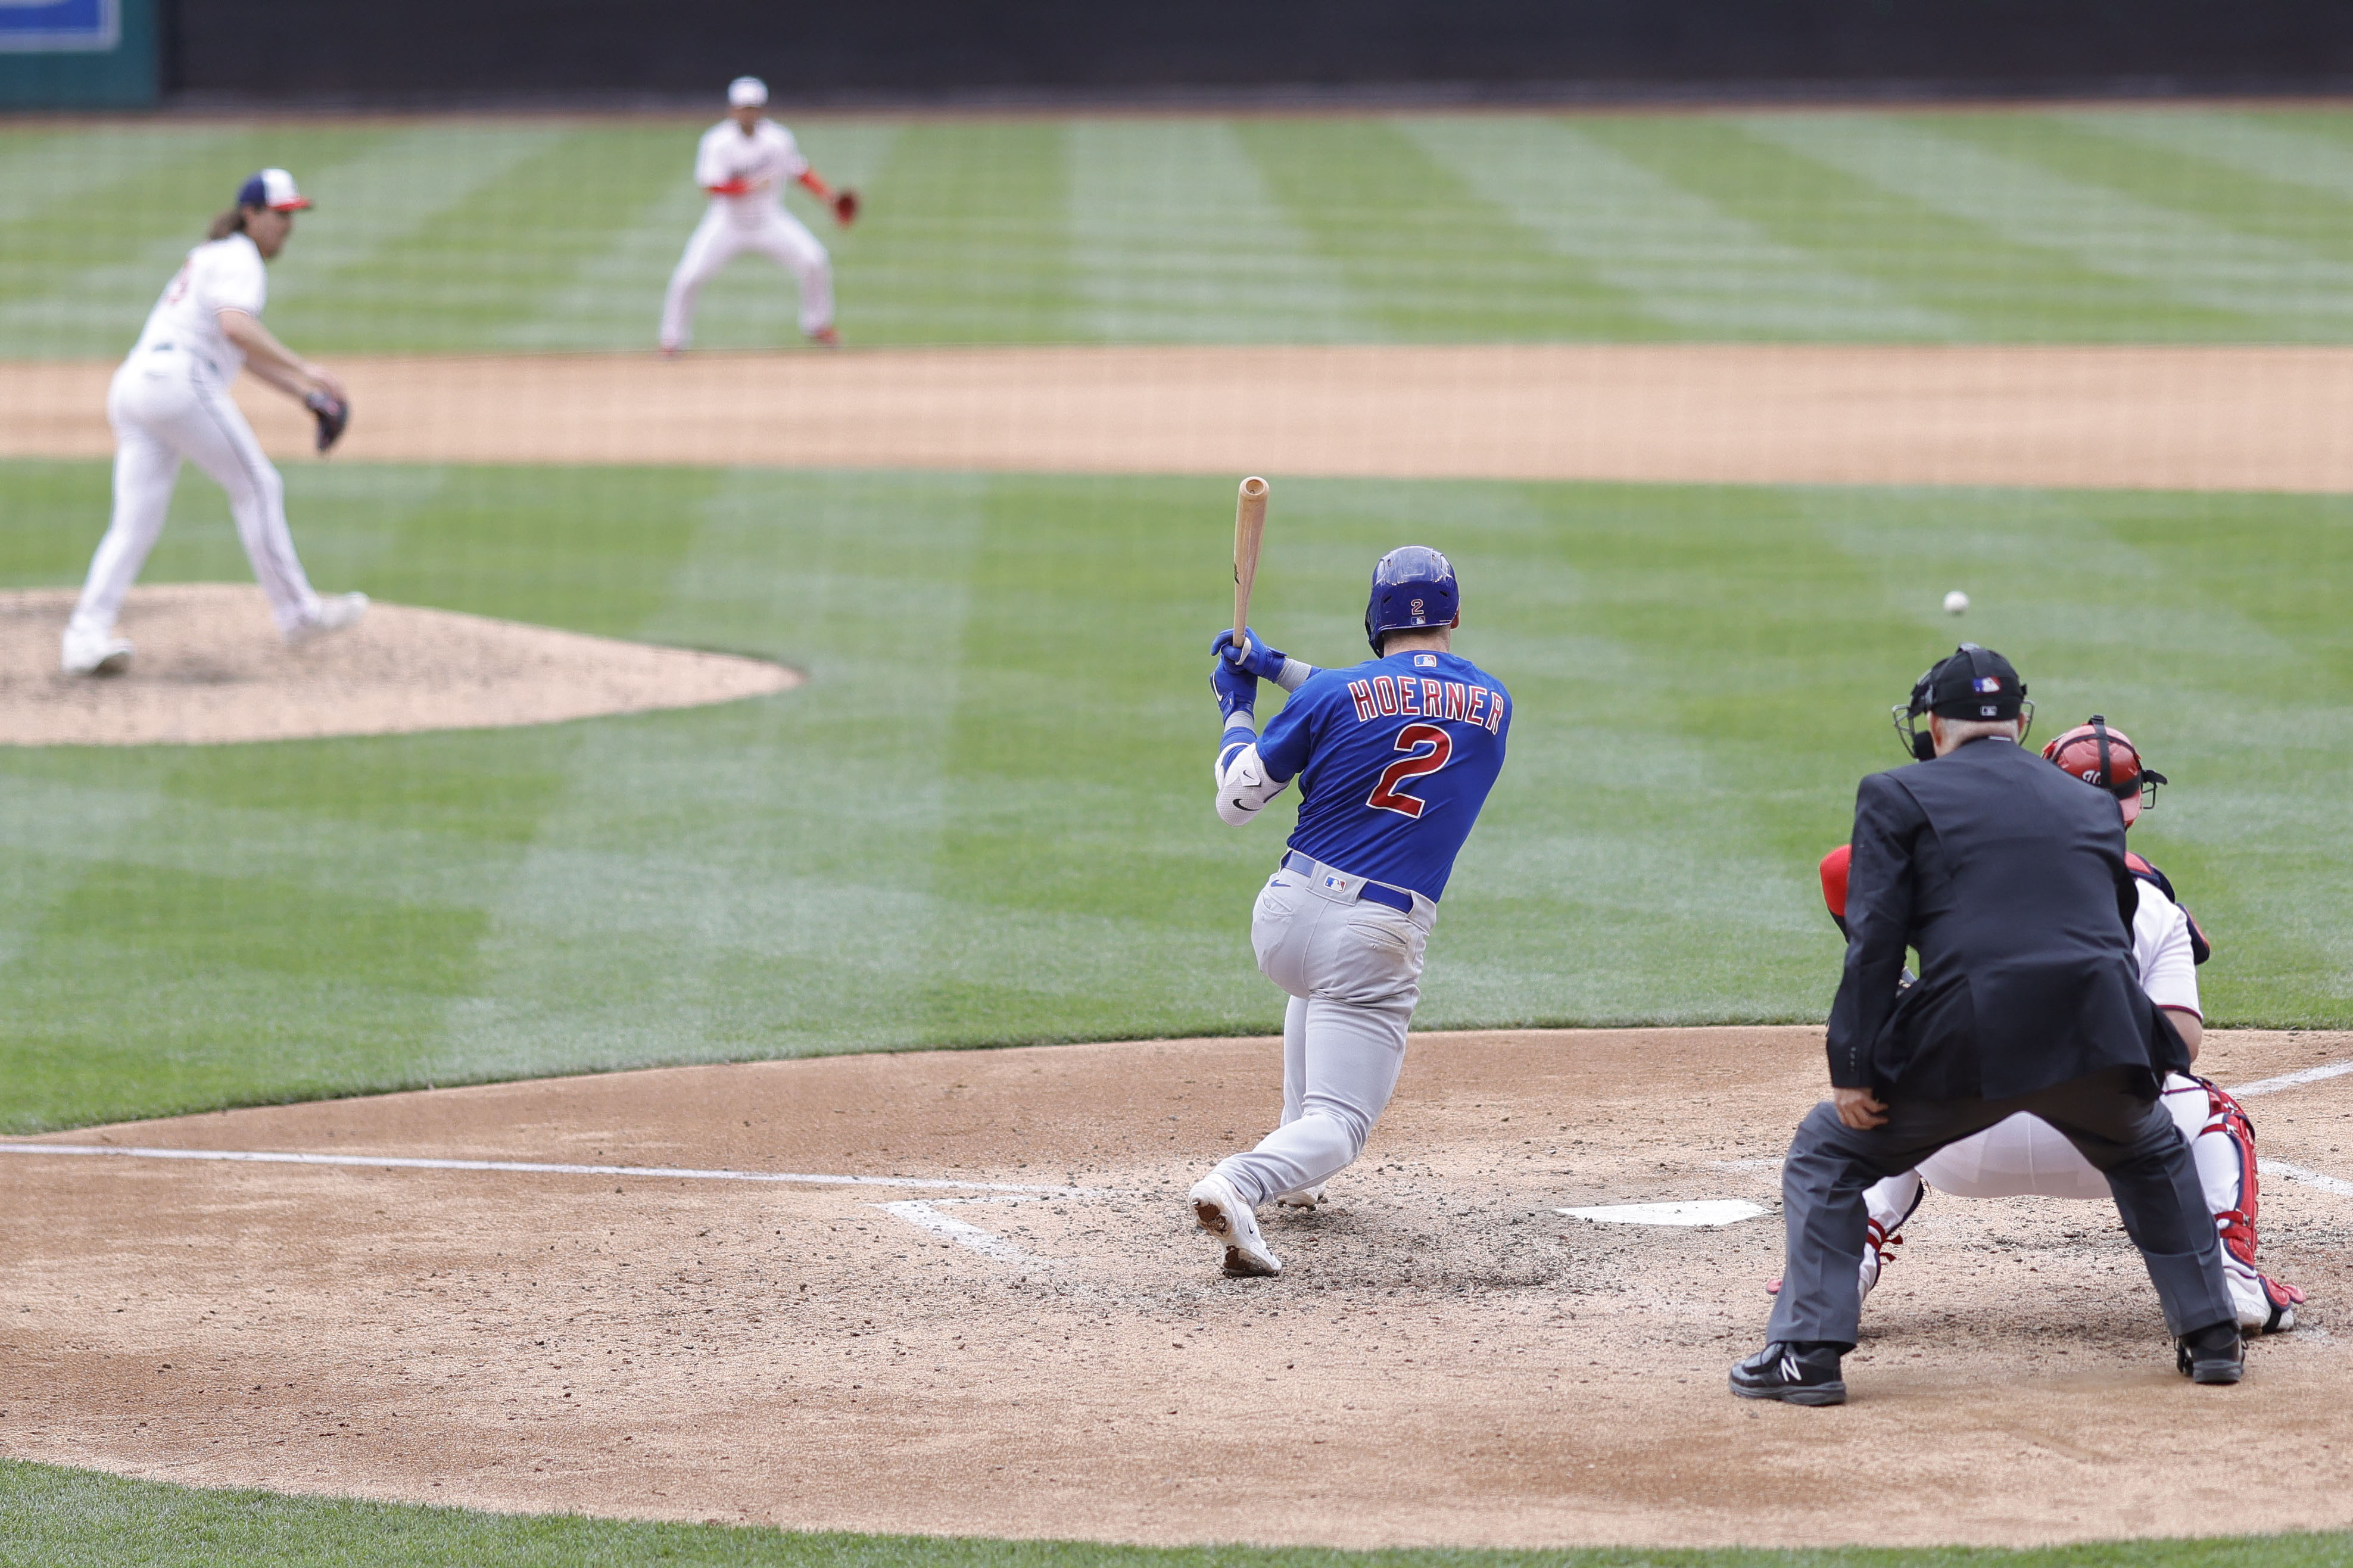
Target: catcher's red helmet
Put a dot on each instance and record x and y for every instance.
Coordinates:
(2107, 759)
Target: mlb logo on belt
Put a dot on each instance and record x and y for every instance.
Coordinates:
(1337, 884)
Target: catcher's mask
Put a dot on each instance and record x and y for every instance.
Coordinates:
(2107, 759)
(1413, 586)
(1973, 683)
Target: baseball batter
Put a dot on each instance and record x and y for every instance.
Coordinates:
(1394, 758)
(2026, 1156)
(744, 162)
(170, 401)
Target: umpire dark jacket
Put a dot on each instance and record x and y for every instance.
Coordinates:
(2009, 877)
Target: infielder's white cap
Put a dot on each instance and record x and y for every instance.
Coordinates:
(274, 189)
(746, 92)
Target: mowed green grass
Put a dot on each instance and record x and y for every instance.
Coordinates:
(2182, 224)
(985, 818)
(78, 1519)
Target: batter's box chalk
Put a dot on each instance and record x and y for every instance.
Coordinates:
(1708, 1211)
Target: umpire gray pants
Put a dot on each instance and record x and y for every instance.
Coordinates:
(1353, 972)
(2127, 1139)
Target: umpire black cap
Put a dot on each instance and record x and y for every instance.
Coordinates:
(1974, 683)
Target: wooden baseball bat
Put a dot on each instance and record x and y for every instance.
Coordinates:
(1249, 529)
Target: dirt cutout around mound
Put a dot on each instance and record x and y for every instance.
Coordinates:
(210, 668)
(2148, 417)
(871, 1337)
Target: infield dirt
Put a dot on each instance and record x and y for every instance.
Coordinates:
(1446, 1359)
(2258, 418)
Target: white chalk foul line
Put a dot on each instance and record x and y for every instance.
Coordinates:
(2291, 1080)
(530, 1167)
(1707, 1211)
(2325, 1182)
(988, 1244)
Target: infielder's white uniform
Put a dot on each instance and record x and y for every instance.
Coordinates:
(2027, 1157)
(169, 401)
(768, 160)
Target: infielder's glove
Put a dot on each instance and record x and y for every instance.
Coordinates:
(332, 414)
(845, 208)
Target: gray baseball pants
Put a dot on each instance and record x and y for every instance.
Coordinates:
(1353, 972)
(2127, 1138)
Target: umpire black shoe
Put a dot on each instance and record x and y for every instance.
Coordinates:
(1805, 1372)
(2213, 1354)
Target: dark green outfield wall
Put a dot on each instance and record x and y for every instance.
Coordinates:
(438, 49)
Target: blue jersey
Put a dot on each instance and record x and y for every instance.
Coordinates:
(1394, 759)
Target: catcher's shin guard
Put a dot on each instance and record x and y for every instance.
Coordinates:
(2225, 1155)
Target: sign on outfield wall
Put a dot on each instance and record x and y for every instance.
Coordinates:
(59, 27)
(78, 54)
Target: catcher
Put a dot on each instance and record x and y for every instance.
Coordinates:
(2025, 1157)
(743, 164)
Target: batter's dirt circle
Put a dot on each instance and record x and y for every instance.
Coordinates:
(974, 1306)
(210, 668)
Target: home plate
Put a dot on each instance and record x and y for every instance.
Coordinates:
(1711, 1211)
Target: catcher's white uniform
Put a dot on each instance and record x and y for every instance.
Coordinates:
(762, 162)
(2026, 1156)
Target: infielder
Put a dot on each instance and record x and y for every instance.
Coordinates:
(2026, 1156)
(744, 162)
(1394, 758)
(170, 401)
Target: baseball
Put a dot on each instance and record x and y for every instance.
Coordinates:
(1955, 602)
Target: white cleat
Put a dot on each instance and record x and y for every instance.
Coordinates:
(335, 613)
(1304, 1198)
(1220, 1210)
(99, 653)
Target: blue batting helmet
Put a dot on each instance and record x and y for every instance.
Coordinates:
(1412, 586)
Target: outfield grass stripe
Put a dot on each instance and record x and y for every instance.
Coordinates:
(2264, 145)
(1176, 239)
(970, 239)
(59, 174)
(2275, 289)
(1960, 269)
(1682, 256)
(92, 298)
(1429, 259)
(2171, 179)
(410, 182)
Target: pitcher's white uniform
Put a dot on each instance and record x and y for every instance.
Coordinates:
(766, 161)
(169, 401)
(2026, 1156)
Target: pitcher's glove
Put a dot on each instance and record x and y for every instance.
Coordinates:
(332, 414)
(845, 208)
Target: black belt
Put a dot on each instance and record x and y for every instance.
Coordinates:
(1370, 892)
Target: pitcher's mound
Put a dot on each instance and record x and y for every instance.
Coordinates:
(210, 669)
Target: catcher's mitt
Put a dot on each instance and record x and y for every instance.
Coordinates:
(333, 415)
(845, 207)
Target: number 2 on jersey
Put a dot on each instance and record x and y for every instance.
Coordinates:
(1385, 795)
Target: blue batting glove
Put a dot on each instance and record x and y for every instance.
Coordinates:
(1259, 660)
(1237, 690)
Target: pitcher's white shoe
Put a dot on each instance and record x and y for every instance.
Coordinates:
(1220, 1210)
(1304, 1198)
(335, 612)
(93, 653)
